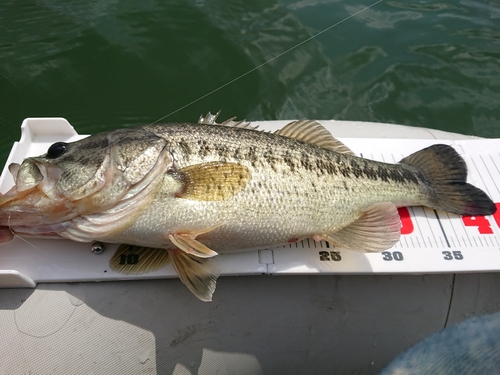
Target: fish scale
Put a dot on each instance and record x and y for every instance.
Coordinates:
(196, 190)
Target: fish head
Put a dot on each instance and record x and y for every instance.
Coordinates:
(84, 177)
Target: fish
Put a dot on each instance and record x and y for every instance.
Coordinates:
(183, 193)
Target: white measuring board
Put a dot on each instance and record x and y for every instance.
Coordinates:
(431, 241)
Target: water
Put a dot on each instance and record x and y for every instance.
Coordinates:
(105, 64)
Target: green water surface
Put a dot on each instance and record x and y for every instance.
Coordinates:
(104, 64)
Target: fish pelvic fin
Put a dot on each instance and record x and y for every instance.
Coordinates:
(187, 242)
(376, 229)
(198, 274)
(444, 172)
(137, 260)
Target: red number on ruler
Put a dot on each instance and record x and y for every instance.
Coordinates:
(406, 224)
(496, 215)
(482, 224)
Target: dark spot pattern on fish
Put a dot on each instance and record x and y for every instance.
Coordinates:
(359, 168)
(184, 146)
(271, 159)
(285, 155)
(313, 185)
(237, 154)
(94, 143)
(222, 150)
(305, 162)
(251, 156)
(289, 161)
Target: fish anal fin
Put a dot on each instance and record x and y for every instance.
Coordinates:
(137, 260)
(377, 229)
(313, 132)
(199, 275)
(213, 181)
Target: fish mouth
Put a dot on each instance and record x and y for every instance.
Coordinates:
(26, 203)
(26, 175)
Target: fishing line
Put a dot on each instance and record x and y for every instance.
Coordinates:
(267, 62)
(215, 90)
(40, 250)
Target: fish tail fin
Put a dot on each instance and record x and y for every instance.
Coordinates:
(444, 172)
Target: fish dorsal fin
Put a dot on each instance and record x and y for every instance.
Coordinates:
(198, 274)
(313, 132)
(136, 260)
(210, 119)
(377, 229)
(213, 181)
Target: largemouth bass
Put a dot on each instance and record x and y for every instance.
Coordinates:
(183, 193)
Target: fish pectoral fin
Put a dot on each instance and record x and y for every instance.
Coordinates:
(313, 132)
(199, 275)
(187, 242)
(377, 229)
(213, 181)
(136, 260)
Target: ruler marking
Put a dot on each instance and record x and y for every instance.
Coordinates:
(485, 186)
(465, 242)
(483, 241)
(495, 165)
(418, 242)
(491, 240)
(418, 228)
(474, 238)
(442, 229)
(466, 233)
(452, 242)
(489, 172)
(442, 244)
(457, 237)
(432, 232)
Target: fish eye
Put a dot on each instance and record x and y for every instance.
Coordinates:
(56, 150)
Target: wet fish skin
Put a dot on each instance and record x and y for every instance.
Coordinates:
(196, 190)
